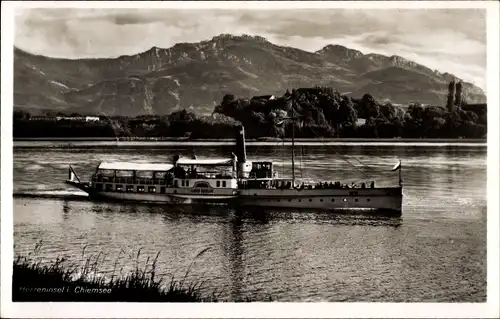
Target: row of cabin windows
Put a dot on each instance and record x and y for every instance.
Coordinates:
(142, 189)
(185, 183)
(130, 180)
(129, 188)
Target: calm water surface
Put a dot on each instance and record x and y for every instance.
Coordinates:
(435, 252)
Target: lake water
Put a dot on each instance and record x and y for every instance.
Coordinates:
(436, 251)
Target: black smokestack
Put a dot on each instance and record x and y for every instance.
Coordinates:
(241, 152)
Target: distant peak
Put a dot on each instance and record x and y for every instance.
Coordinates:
(334, 47)
(400, 61)
(376, 56)
(227, 36)
(397, 58)
(340, 50)
(154, 49)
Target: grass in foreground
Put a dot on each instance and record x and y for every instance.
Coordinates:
(34, 281)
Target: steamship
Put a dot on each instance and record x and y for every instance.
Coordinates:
(231, 181)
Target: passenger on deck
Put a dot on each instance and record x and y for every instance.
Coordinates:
(194, 173)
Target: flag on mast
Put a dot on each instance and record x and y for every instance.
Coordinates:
(396, 167)
(72, 175)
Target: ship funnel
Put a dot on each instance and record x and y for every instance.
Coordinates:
(241, 152)
(176, 158)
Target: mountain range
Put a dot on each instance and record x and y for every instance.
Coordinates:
(195, 76)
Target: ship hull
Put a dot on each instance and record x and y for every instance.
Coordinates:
(131, 197)
(385, 199)
(374, 199)
(161, 198)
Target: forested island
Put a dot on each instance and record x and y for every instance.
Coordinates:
(310, 112)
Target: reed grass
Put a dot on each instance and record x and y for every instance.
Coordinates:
(59, 280)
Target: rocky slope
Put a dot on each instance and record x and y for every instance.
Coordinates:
(195, 76)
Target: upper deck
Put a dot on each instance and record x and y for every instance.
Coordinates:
(185, 173)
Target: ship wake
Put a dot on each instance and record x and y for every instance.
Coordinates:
(55, 194)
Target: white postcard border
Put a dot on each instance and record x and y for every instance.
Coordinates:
(232, 310)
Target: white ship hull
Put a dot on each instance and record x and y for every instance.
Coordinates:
(384, 199)
(133, 197)
(389, 199)
(163, 198)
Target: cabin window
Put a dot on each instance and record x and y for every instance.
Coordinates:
(176, 183)
(151, 189)
(367, 199)
(333, 200)
(140, 189)
(187, 183)
(162, 189)
(182, 183)
(321, 200)
(345, 199)
(310, 200)
(130, 188)
(109, 187)
(218, 183)
(300, 200)
(119, 188)
(124, 173)
(98, 187)
(356, 200)
(223, 183)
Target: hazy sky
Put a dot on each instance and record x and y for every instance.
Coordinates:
(449, 40)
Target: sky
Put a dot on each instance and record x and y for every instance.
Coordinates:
(448, 40)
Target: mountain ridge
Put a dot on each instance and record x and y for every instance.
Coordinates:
(195, 76)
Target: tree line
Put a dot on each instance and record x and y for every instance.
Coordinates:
(310, 112)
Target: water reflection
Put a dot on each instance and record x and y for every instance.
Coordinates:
(242, 215)
(233, 248)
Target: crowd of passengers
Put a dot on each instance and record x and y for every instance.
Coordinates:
(335, 185)
(320, 185)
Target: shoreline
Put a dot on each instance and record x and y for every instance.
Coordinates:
(257, 140)
(61, 281)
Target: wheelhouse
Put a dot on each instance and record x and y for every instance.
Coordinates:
(262, 170)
